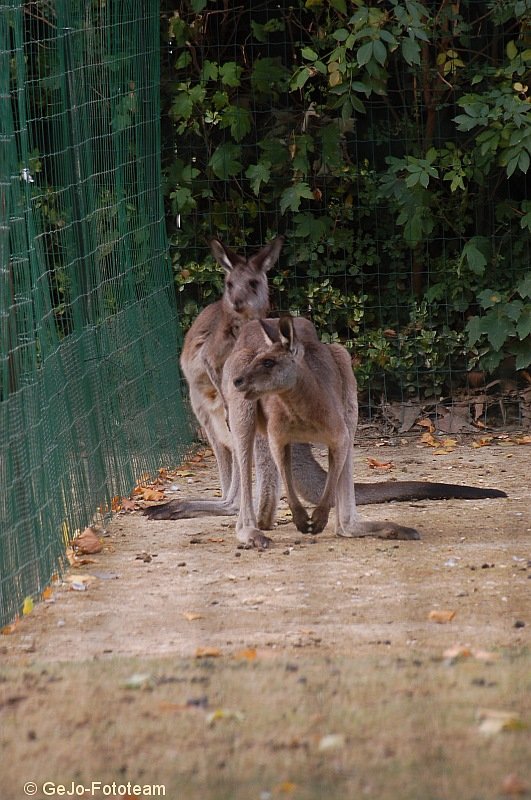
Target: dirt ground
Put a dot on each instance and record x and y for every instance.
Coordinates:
(320, 668)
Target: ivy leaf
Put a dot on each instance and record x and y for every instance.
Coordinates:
(258, 174)
(224, 161)
(292, 196)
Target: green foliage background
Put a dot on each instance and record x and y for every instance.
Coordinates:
(390, 141)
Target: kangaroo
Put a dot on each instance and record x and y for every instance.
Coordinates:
(282, 381)
(207, 345)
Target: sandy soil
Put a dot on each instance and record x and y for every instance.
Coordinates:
(221, 672)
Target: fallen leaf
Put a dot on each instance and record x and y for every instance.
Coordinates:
(223, 713)
(128, 505)
(492, 721)
(457, 653)
(332, 741)
(47, 593)
(140, 680)
(441, 616)
(207, 652)
(192, 615)
(523, 439)
(484, 441)
(246, 655)
(7, 630)
(88, 542)
(215, 539)
(286, 787)
(116, 503)
(375, 464)
(27, 606)
(430, 440)
(153, 494)
(426, 423)
(512, 785)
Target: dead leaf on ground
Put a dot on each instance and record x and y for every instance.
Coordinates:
(249, 654)
(7, 630)
(426, 423)
(484, 441)
(224, 714)
(513, 785)
(153, 495)
(430, 440)
(492, 721)
(375, 464)
(441, 616)
(286, 787)
(208, 652)
(88, 542)
(128, 505)
(192, 615)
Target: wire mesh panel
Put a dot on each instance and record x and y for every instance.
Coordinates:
(90, 393)
(391, 143)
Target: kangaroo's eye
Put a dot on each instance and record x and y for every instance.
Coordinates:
(268, 363)
(253, 284)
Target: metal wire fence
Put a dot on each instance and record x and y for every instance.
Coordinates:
(90, 392)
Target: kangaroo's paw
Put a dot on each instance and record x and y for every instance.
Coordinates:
(319, 520)
(302, 521)
(174, 509)
(252, 537)
(381, 530)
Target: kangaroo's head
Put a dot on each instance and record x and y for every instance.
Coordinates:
(246, 292)
(275, 369)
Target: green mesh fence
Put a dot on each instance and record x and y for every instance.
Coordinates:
(90, 393)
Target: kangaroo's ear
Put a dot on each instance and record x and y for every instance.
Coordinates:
(267, 257)
(286, 330)
(226, 258)
(267, 334)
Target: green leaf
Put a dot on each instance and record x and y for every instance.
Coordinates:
(182, 106)
(341, 34)
(339, 5)
(225, 161)
(230, 73)
(410, 51)
(292, 196)
(524, 287)
(364, 54)
(511, 50)
(475, 258)
(498, 328)
(258, 174)
(489, 298)
(309, 54)
(522, 351)
(380, 51)
(301, 76)
(474, 330)
(523, 324)
(239, 121)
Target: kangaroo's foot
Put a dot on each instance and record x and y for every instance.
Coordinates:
(252, 537)
(381, 530)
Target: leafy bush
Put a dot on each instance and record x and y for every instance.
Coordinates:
(390, 142)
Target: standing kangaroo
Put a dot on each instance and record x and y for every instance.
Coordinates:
(281, 381)
(207, 345)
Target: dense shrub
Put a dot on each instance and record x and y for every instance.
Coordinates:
(390, 141)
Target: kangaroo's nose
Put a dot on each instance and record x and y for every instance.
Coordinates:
(238, 382)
